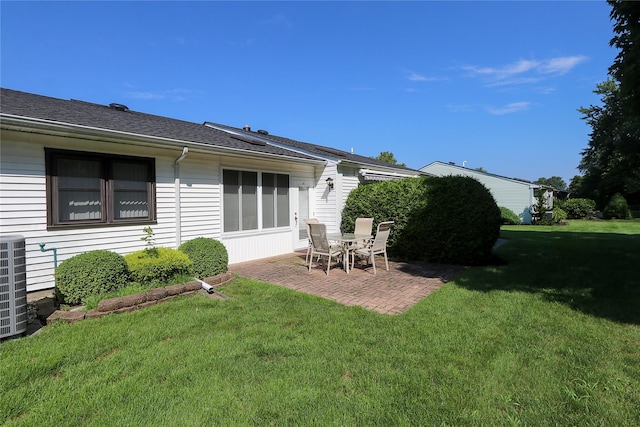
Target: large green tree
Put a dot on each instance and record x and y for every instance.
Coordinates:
(626, 67)
(611, 162)
(387, 156)
(555, 182)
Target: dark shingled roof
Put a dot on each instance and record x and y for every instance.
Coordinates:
(319, 150)
(116, 119)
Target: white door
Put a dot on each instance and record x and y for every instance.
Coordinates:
(302, 211)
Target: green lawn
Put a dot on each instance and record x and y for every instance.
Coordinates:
(550, 338)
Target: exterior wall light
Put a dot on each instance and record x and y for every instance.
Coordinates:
(330, 182)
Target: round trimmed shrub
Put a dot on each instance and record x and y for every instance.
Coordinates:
(508, 216)
(88, 274)
(157, 265)
(209, 256)
(617, 207)
(460, 221)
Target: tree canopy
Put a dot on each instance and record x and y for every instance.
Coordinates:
(387, 156)
(554, 182)
(611, 162)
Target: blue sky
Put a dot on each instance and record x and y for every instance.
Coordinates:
(494, 84)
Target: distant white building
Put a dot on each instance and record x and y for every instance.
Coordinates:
(515, 194)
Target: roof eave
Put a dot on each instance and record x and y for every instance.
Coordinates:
(29, 124)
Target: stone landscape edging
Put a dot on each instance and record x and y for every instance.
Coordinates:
(133, 302)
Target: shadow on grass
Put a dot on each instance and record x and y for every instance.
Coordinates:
(595, 273)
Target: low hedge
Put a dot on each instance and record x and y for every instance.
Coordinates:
(88, 274)
(394, 201)
(508, 216)
(157, 265)
(577, 208)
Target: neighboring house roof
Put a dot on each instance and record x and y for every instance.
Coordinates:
(318, 150)
(515, 180)
(118, 119)
(475, 171)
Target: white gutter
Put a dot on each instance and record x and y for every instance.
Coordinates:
(365, 171)
(46, 127)
(176, 174)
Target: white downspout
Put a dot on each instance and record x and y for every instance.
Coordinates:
(176, 174)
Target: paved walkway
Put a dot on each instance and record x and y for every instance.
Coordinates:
(388, 292)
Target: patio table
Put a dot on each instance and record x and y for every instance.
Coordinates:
(346, 240)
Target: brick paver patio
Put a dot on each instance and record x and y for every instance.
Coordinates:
(388, 292)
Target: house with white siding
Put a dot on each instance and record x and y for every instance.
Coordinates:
(78, 176)
(515, 194)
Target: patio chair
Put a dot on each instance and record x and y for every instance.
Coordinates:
(320, 245)
(376, 246)
(310, 246)
(363, 226)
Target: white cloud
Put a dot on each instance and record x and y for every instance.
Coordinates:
(519, 67)
(171, 94)
(561, 65)
(514, 107)
(415, 77)
(145, 95)
(525, 71)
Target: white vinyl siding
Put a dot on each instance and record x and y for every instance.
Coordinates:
(198, 177)
(199, 198)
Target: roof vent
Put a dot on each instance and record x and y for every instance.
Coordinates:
(119, 107)
(263, 132)
(247, 128)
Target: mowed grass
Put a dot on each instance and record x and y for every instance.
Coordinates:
(550, 338)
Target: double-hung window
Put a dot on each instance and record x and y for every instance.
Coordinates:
(249, 196)
(97, 189)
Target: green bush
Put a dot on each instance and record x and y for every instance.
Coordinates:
(460, 221)
(577, 208)
(157, 265)
(508, 216)
(617, 207)
(559, 215)
(448, 219)
(386, 201)
(209, 256)
(88, 274)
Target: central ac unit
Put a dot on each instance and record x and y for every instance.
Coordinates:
(13, 286)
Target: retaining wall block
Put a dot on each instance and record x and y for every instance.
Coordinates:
(192, 286)
(66, 316)
(135, 299)
(156, 294)
(111, 304)
(174, 289)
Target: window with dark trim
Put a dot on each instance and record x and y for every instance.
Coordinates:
(241, 192)
(275, 200)
(97, 189)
